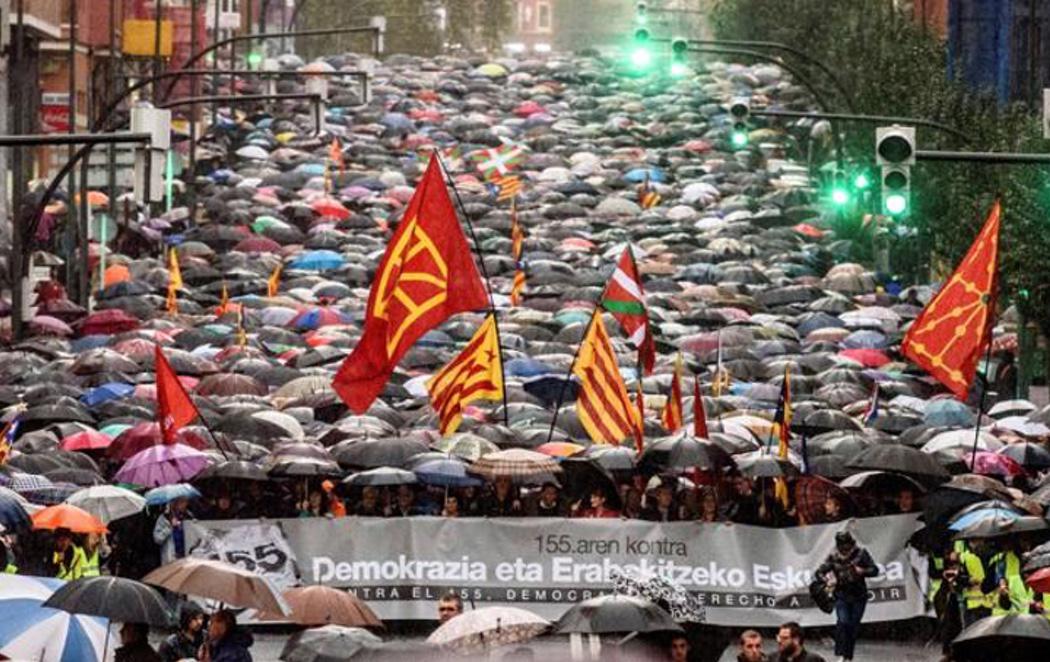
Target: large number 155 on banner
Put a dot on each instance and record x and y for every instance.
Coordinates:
(259, 548)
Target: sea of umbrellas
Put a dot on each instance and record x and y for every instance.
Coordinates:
(741, 268)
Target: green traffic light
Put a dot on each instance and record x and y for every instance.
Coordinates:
(254, 59)
(679, 69)
(896, 204)
(840, 196)
(739, 138)
(861, 182)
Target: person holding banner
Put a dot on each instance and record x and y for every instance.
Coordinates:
(848, 567)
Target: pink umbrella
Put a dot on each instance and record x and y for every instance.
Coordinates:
(163, 465)
(46, 324)
(86, 441)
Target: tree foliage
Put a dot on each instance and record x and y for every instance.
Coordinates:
(890, 65)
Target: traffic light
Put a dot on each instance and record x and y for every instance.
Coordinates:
(740, 114)
(641, 56)
(641, 13)
(861, 181)
(254, 59)
(895, 153)
(840, 195)
(679, 53)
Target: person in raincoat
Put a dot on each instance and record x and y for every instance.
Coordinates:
(7, 559)
(849, 565)
(96, 551)
(168, 532)
(1012, 595)
(66, 559)
(226, 642)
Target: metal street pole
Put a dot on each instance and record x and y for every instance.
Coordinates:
(71, 215)
(194, 91)
(111, 88)
(18, 257)
(158, 12)
(872, 119)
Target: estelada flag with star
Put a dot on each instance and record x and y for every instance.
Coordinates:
(475, 374)
(427, 275)
(952, 330)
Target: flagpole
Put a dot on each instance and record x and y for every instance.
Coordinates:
(984, 393)
(576, 354)
(572, 366)
(484, 274)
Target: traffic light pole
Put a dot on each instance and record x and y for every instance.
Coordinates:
(776, 46)
(255, 36)
(870, 119)
(19, 254)
(227, 98)
(821, 101)
(989, 158)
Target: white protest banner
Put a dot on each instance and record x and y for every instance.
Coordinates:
(741, 575)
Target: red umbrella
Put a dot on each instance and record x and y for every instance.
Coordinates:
(257, 245)
(1039, 580)
(330, 207)
(88, 440)
(108, 322)
(869, 358)
(146, 435)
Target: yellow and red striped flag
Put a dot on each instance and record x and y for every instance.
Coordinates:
(517, 289)
(475, 374)
(506, 187)
(603, 406)
(174, 282)
(671, 416)
(273, 283)
(647, 195)
(517, 234)
(782, 428)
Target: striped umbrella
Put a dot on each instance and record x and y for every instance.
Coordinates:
(517, 463)
(30, 631)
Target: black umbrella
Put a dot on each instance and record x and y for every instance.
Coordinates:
(331, 643)
(900, 459)
(584, 475)
(380, 453)
(1028, 455)
(681, 452)
(1010, 638)
(233, 470)
(615, 613)
(115, 598)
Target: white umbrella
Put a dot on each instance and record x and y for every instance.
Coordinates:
(107, 502)
(488, 627)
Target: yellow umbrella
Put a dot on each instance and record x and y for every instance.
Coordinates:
(492, 70)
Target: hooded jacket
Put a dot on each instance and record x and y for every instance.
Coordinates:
(233, 647)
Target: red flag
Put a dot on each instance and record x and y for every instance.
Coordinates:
(699, 415)
(947, 338)
(427, 275)
(671, 416)
(174, 407)
(639, 431)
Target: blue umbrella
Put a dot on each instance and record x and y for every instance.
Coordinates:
(638, 175)
(159, 496)
(13, 515)
(992, 512)
(948, 413)
(89, 342)
(107, 392)
(312, 169)
(446, 473)
(321, 260)
(30, 631)
(526, 367)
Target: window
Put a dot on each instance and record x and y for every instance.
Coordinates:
(543, 16)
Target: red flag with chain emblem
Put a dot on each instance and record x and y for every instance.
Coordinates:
(950, 333)
(174, 407)
(427, 275)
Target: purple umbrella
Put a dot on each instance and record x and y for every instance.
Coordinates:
(163, 465)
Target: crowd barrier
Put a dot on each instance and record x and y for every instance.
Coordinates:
(742, 575)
